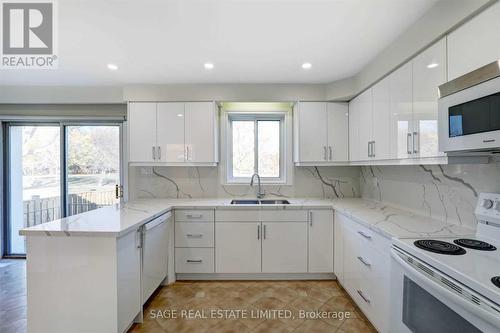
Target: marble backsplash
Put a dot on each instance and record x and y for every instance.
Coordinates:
(205, 182)
(447, 192)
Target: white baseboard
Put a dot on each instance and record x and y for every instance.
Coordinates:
(256, 276)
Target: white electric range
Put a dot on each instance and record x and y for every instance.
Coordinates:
(449, 284)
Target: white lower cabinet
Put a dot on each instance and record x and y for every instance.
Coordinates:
(284, 247)
(320, 234)
(194, 260)
(365, 269)
(273, 241)
(238, 247)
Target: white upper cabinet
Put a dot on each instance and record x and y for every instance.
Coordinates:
(173, 133)
(312, 136)
(429, 72)
(401, 114)
(170, 132)
(321, 134)
(200, 130)
(474, 44)
(380, 146)
(338, 131)
(361, 126)
(142, 132)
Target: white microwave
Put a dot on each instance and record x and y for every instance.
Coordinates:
(469, 112)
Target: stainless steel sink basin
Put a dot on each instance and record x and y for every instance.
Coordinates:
(244, 202)
(257, 202)
(274, 202)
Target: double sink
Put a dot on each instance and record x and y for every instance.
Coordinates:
(259, 202)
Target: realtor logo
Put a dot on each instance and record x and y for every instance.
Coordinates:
(28, 34)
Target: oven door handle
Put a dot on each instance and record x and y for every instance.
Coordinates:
(445, 293)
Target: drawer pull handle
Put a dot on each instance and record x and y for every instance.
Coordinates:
(194, 216)
(367, 300)
(194, 235)
(364, 235)
(190, 261)
(367, 264)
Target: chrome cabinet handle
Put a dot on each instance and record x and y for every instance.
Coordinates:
(264, 231)
(139, 238)
(364, 235)
(194, 216)
(191, 261)
(373, 148)
(258, 232)
(369, 154)
(154, 153)
(159, 152)
(415, 145)
(325, 153)
(194, 235)
(367, 264)
(488, 140)
(367, 300)
(310, 218)
(408, 137)
(330, 152)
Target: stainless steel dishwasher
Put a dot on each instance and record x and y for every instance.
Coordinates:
(155, 254)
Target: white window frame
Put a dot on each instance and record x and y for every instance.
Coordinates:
(286, 163)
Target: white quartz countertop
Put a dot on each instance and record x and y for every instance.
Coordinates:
(117, 220)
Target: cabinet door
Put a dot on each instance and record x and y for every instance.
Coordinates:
(312, 132)
(475, 43)
(401, 112)
(338, 127)
(321, 241)
(238, 247)
(170, 129)
(142, 132)
(128, 273)
(354, 125)
(429, 71)
(381, 120)
(338, 247)
(284, 247)
(154, 257)
(200, 132)
(365, 123)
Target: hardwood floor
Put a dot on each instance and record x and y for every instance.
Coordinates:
(249, 297)
(12, 296)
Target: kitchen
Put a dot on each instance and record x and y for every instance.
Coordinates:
(329, 182)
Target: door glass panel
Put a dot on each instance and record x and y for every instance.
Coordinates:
(93, 167)
(422, 312)
(34, 179)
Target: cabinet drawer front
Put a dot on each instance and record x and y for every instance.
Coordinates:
(194, 260)
(281, 215)
(367, 237)
(237, 215)
(194, 234)
(194, 215)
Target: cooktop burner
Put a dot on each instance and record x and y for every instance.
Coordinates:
(474, 244)
(440, 247)
(496, 281)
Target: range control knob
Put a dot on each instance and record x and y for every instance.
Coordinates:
(487, 203)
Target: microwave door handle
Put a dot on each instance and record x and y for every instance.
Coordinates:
(427, 282)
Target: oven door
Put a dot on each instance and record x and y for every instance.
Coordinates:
(425, 300)
(470, 119)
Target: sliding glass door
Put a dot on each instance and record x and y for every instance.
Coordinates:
(93, 167)
(34, 179)
(57, 170)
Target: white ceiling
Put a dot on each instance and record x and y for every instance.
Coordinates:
(249, 41)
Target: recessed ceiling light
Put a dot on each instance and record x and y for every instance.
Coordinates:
(112, 67)
(432, 65)
(306, 65)
(208, 65)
